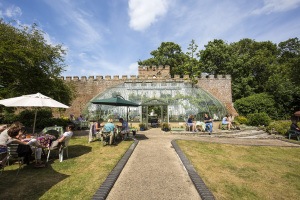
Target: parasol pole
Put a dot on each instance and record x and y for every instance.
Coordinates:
(34, 121)
(127, 113)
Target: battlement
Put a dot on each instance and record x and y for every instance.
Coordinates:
(141, 78)
(88, 87)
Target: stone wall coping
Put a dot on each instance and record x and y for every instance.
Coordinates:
(143, 77)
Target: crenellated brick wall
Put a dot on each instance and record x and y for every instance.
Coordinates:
(88, 88)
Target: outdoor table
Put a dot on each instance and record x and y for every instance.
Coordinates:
(43, 140)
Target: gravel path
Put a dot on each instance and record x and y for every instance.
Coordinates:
(154, 171)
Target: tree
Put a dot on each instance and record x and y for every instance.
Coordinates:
(29, 65)
(192, 65)
(215, 57)
(168, 53)
(287, 86)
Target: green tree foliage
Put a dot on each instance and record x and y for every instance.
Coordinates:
(259, 119)
(29, 65)
(168, 53)
(288, 85)
(256, 103)
(255, 67)
(215, 57)
(192, 66)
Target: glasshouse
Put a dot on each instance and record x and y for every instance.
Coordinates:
(165, 101)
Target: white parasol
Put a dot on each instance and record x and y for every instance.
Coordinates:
(32, 100)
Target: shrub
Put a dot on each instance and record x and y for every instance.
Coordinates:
(241, 120)
(166, 127)
(44, 118)
(257, 119)
(142, 126)
(280, 127)
(257, 103)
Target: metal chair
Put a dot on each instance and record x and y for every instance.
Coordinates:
(4, 159)
(12, 154)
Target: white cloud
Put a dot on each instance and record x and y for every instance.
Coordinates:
(144, 13)
(272, 6)
(12, 11)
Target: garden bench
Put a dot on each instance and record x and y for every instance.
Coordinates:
(178, 129)
(223, 126)
(294, 133)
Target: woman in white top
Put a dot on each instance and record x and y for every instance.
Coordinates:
(227, 122)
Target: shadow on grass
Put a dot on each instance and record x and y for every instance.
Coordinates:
(73, 151)
(30, 183)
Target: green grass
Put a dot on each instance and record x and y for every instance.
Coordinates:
(246, 172)
(77, 177)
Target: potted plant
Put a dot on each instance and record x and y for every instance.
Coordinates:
(142, 126)
(165, 127)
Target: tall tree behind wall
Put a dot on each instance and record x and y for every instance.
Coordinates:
(29, 65)
(168, 53)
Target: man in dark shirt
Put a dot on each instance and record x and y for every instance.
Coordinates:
(295, 127)
(208, 123)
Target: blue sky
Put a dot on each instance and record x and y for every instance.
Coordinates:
(108, 37)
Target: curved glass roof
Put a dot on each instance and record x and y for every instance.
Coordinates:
(182, 98)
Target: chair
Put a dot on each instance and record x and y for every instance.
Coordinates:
(93, 135)
(294, 133)
(3, 160)
(12, 154)
(107, 137)
(61, 150)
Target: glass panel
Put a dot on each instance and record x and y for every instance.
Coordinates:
(182, 98)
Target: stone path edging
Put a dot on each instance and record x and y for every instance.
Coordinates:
(109, 182)
(200, 186)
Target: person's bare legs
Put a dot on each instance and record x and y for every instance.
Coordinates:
(229, 125)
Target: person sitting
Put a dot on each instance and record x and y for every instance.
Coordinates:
(57, 144)
(14, 135)
(226, 121)
(2, 128)
(191, 124)
(124, 128)
(72, 117)
(295, 127)
(95, 128)
(108, 129)
(208, 123)
(80, 118)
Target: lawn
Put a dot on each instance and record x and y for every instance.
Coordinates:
(77, 177)
(246, 172)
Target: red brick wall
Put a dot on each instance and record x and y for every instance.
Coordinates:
(88, 88)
